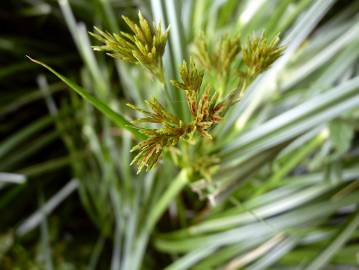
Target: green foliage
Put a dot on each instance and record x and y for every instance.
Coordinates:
(115, 117)
(245, 169)
(341, 135)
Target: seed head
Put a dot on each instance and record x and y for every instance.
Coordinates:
(144, 46)
(223, 55)
(190, 75)
(260, 53)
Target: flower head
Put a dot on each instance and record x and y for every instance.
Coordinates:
(171, 131)
(221, 58)
(191, 76)
(260, 53)
(146, 44)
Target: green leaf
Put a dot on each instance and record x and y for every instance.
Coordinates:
(118, 119)
(341, 135)
(298, 120)
(258, 90)
(337, 243)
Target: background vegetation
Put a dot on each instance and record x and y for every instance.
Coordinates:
(285, 195)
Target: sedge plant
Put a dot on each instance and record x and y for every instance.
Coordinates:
(243, 141)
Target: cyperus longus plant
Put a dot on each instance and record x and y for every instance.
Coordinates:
(206, 105)
(279, 175)
(206, 102)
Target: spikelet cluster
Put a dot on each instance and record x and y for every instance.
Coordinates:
(171, 131)
(146, 44)
(260, 53)
(190, 75)
(203, 102)
(203, 105)
(204, 108)
(223, 55)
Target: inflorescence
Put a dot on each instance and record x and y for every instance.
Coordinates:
(146, 46)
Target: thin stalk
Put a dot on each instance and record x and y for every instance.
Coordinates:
(156, 212)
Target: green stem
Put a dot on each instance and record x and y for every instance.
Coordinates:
(155, 213)
(172, 191)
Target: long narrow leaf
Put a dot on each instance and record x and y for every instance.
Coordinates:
(118, 119)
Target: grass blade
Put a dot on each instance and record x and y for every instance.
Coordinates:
(337, 243)
(36, 218)
(118, 119)
(255, 93)
(12, 178)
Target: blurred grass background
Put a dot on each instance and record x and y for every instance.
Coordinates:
(285, 197)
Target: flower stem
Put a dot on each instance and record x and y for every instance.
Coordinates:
(155, 213)
(172, 191)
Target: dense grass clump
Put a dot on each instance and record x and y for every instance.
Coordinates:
(224, 135)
